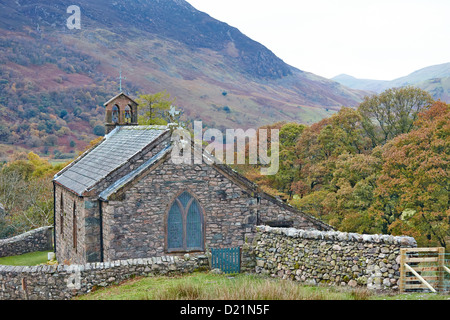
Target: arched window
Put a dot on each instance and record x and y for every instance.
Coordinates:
(128, 114)
(185, 226)
(115, 114)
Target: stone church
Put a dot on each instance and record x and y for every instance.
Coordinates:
(125, 198)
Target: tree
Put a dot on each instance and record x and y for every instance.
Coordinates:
(351, 192)
(413, 189)
(26, 193)
(155, 107)
(63, 113)
(322, 143)
(99, 130)
(392, 112)
(337, 172)
(289, 135)
(311, 159)
(4, 134)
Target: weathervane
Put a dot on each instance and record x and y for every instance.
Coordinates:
(174, 119)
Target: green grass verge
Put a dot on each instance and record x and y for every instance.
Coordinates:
(206, 286)
(27, 259)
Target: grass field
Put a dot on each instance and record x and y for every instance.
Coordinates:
(207, 286)
(27, 259)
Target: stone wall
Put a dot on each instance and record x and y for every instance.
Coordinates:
(40, 239)
(50, 282)
(309, 256)
(313, 257)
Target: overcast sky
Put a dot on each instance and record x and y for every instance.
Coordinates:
(377, 39)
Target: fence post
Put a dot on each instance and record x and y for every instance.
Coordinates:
(402, 279)
(441, 271)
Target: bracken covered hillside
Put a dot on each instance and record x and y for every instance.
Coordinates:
(53, 81)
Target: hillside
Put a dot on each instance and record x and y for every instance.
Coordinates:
(434, 79)
(53, 81)
(361, 84)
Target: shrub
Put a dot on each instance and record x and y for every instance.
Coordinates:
(99, 130)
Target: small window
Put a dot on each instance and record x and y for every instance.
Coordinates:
(128, 114)
(74, 225)
(185, 225)
(115, 114)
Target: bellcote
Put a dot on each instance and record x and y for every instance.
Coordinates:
(120, 111)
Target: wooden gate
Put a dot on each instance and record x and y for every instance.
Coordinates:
(226, 259)
(424, 269)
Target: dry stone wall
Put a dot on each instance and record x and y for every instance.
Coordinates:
(61, 282)
(309, 256)
(318, 257)
(40, 239)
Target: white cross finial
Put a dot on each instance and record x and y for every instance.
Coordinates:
(120, 80)
(120, 77)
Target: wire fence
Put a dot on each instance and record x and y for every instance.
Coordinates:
(425, 270)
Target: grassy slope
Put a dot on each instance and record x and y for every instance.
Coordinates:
(439, 88)
(27, 259)
(206, 286)
(199, 81)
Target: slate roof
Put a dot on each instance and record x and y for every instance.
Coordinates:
(119, 146)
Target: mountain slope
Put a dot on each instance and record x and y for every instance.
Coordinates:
(52, 78)
(433, 79)
(424, 74)
(361, 84)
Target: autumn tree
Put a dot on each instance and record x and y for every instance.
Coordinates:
(321, 144)
(155, 107)
(26, 193)
(351, 192)
(288, 168)
(414, 185)
(253, 171)
(382, 168)
(311, 159)
(392, 112)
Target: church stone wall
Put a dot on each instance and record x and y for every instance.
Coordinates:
(66, 250)
(134, 225)
(92, 225)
